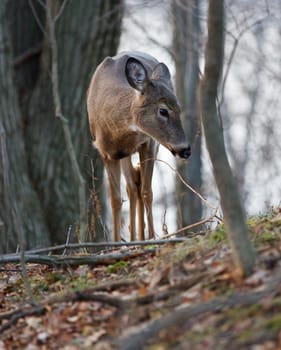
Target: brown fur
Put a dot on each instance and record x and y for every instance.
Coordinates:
(126, 97)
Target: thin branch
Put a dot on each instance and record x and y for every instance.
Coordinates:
(152, 40)
(40, 25)
(42, 3)
(232, 54)
(19, 314)
(27, 55)
(184, 182)
(60, 10)
(57, 261)
(188, 227)
(67, 239)
(77, 246)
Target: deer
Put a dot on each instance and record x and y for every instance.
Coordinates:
(132, 108)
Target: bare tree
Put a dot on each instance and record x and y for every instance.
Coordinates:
(186, 55)
(232, 208)
(86, 32)
(252, 78)
(16, 188)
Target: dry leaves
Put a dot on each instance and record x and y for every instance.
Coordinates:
(149, 289)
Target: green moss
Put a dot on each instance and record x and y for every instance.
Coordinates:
(80, 282)
(245, 336)
(217, 236)
(266, 237)
(237, 314)
(117, 267)
(274, 324)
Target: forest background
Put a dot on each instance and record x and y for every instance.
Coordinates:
(41, 190)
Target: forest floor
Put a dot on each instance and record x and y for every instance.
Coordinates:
(174, 296)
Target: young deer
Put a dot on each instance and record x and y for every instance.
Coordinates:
(132, 108)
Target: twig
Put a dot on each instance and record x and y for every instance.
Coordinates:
(150, 38)
(67, 238)
(233, 51)
(188, 227)
(60, 261)
(88, 296)
(25, 56)
(197, 194)
(76, 246)
(40, 25)
(60, 10)
(18, 314)
(184, 182)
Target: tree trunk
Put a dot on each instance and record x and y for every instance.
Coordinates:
(186, 49)
(232, 208)
(15, 186)
(87, 31)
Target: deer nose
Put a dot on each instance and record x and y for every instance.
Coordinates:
(185, 153)
(181, 152)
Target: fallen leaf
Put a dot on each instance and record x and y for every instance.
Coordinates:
(73, 319)
(142, 291)
(33, 322)
(257, 278)
(42, 337)
(92, 339)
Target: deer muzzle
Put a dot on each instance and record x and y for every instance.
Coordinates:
(183, 152)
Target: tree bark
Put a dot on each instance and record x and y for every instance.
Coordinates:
(87, 31)
(186, 53)
(16, 190)
(232, 208)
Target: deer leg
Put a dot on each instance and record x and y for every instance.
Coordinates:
(140, 207)
(147, 153)
(113, 173)
(132, 176)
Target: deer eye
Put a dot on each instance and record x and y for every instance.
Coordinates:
(164, 112)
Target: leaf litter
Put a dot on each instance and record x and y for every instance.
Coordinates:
(183, 296)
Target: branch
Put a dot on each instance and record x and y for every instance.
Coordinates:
(59, 261)
(37, 19)
(27, 55)
(233, 51)
(76, 246)
(188, 227)
(14, 316)
(184, 182)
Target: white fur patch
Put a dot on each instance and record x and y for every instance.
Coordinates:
(134, 128)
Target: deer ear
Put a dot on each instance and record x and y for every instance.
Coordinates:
(136, 74)
(161, 72)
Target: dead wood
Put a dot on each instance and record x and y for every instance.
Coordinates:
(77, 246)
(137, 340)
(62, 261)
(13, 317)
